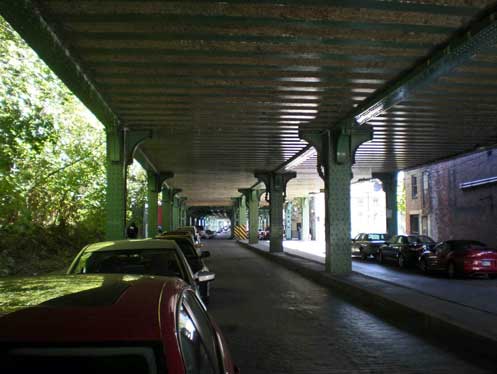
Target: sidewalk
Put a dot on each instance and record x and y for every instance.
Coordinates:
(473, 327)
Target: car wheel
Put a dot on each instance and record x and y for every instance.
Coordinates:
(401, 261)
(423, 265)
(363, 255)
(451, 270)
(381, 259)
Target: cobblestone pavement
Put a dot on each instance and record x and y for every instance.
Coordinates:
(276, 321)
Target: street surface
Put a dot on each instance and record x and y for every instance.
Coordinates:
(278, 322)
(476, 293)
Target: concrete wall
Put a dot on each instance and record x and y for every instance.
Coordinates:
(451, 212)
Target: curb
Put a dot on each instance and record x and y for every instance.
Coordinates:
(460, 338)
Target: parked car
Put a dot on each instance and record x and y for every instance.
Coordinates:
(405, 249)
(107, 324)
(460, 257)
(193, 230)
(194, 259)
(142, 257)
(209, 234)
(366, 245)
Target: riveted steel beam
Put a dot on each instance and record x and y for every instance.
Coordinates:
(25, 17)
(478, 37)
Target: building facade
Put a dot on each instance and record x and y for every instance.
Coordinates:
(454, 199)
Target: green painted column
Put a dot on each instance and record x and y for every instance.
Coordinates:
(153, 204)
(182, 212)
(252, 197)
(168, 195)
(276, 188)
(242, 211)
(175, 213)
(389, 182)
(116, 186)
(336, 150)
(305, 219)
(288, 220)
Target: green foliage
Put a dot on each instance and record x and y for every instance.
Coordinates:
(52, 177)
(137, 195)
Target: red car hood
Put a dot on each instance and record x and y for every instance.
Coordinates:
(80, 308)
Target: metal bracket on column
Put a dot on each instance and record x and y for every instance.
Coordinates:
(344, 146)
(247, 192)
(132, 140)
(349, 140)
(160, 179)
(315, 138)
(275, 182)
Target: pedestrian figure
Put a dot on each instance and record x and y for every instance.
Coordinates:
(132, 231)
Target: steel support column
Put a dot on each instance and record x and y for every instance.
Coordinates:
(275, 194)
(168, 195)
(304, 235)
(389, 182)
(252, 197)
(182, 212)
(288, 220)
(336, 150)
(155, 181)
(116, 186)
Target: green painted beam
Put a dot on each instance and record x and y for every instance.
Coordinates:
(25, 18)
(478, 37)
(248, 22)
(273, 39)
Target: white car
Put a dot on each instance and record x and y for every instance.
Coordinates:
(139, 257)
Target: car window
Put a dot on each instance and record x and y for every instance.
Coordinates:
(375, 237)
(197, 338)
(412, 239)
(186, 247)
(466, 244)
(146, 261)
(425, 239)
(193, 351)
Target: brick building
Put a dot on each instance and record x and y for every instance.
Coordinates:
(454, 199)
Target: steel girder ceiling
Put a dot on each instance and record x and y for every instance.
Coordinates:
(226, 86)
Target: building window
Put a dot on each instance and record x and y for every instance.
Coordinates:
(426, 191)
(414, 223)
(414, 186)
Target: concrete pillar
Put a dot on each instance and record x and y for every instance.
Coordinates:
(252, 197)
(168, 195)
(181, 211)
(288, 220)
(336, 150)
(115, 207)
(276, 188)
(389, 182)
(305, 219)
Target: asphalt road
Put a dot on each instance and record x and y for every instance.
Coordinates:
(276, 321)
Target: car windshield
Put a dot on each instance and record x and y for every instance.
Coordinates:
(467, 244)
(420, 239)
(425, 239)
(162, 262)
(376, 236)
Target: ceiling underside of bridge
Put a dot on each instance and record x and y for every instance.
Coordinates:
(226, 86)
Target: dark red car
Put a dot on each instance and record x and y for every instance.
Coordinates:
(460, 257)
(107, 324)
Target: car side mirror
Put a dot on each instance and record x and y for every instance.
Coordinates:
(205, 254)
(205, 276)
